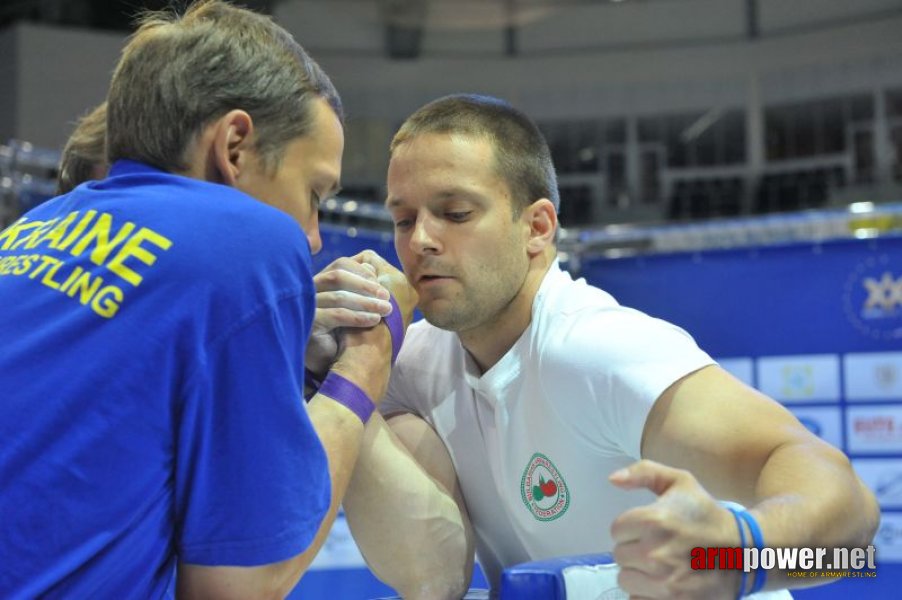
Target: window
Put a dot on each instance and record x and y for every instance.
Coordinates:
(576, 205)
(574, 145)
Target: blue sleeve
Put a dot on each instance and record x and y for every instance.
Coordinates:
(252, 477)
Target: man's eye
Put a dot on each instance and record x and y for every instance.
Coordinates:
(402, 223)
(458, 216)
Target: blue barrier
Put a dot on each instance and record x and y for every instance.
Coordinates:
(546, 579)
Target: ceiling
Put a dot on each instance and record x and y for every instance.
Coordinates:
(99, 14)
(405, 26)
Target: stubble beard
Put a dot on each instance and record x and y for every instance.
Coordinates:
(475, 305)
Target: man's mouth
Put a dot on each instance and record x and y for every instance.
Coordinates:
(428, 278)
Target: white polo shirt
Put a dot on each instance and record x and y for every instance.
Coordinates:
(534, 439)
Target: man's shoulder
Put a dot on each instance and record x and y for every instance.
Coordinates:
(220, 223)
(187, 204)
(564, 296)
(578, 322)
(237, 218)
(569, 310)
(213, 243)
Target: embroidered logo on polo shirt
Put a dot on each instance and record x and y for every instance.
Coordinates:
(543, 490)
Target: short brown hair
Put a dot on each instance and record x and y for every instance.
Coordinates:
(522, 157)
(84, 155)
(178, 74)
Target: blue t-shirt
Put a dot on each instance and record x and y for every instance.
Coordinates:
(152, 341)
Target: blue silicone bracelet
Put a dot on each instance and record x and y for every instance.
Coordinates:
(758, 540)
(744, 577)
(312, 381)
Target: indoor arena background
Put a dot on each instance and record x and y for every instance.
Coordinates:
(732, 166)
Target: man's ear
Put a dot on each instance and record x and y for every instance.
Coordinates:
(231, 146)
(542, 220)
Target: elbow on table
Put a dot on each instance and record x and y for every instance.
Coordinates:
(871, 514)
(864, 504)
(446, 586)
(447, 578)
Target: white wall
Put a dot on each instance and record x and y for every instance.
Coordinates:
(8, 83)
(787, 15)
(628, 82)
(60, 75)
(635, 24)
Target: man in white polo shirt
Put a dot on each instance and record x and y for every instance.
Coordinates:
(545, 393)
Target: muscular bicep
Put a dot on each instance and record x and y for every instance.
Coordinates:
(427, 448)
(721, 430)
(405, 511)
(403, 452)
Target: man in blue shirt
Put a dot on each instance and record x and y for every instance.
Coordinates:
(154, 331)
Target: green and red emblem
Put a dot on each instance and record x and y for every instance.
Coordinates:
(544, 491)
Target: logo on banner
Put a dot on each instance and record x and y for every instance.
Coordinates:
(872, 299)
(889, 537)
(875, 426)
(889, 534)
(543, 490)
(888, 488)
(876, 429)
(886, 375)
(798, 381)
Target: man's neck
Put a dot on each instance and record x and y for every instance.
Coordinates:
(199, 158)
(491, 341)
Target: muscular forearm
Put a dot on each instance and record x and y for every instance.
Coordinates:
(412, 532)
(749, 448)
(827, 506)
(340, 430)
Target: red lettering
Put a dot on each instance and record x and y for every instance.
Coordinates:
(875, 425)
(730, 558)
(716, 558)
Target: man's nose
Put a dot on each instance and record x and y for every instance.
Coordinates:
(423, 240)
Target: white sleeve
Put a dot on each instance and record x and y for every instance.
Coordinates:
(613, 364)
(397, 398)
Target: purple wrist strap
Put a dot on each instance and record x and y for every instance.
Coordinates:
(396, 327)
(348, 394)
(313, 382)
